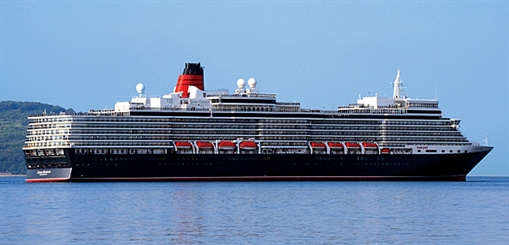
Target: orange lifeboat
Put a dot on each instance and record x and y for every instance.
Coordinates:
(370, 145)
(335, 145)
(226, 145)
(352, 145)
(204, 145)
(385, 151)
(183, 145)
(317, 145)
(248, 145)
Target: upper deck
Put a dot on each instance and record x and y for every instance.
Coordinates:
(192, 113)
(191, 97)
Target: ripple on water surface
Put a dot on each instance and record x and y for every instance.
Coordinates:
(469, 212)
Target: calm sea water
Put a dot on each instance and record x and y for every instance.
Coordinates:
(472, 212)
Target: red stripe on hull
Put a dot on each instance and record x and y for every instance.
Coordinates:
(47, 180)
(281, 178)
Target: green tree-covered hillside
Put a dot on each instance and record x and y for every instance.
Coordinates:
(13, 126)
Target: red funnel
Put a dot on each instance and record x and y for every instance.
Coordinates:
(192, 76)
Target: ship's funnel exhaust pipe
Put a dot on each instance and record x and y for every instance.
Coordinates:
(191, 76)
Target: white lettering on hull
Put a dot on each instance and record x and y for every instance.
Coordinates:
(44, 172)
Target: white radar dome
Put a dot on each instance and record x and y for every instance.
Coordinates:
(140, 88)
(241, 83)
(251, 82)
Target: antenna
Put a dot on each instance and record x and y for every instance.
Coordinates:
(486, 139)
(436, 91)
(397, 87)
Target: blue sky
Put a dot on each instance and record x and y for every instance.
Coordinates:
(90, 54)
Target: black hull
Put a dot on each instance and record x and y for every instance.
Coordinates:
(250, 167)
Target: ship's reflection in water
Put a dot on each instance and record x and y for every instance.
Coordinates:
(254, 212)
(185, 220)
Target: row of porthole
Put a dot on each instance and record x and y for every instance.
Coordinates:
(307, 164)
(210, 164)
(443, 151)
(43, 166)
(184, 164)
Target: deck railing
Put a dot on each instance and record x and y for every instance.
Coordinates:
(282, 108)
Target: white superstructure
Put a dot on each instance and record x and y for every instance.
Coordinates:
(397, 125)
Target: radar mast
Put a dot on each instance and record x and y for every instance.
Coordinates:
(397, 87)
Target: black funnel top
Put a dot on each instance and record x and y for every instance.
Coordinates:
(193, 69)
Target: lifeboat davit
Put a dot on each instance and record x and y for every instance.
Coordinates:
(226, 145)
(317, 145)
(385, 151)
(335, 145)
(183, 145)
(248, 145)
(369, 145)
(352, 145)
(204, 145)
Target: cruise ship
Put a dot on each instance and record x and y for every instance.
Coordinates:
(193, 134)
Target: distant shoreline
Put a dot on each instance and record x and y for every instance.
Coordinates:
(11, 175)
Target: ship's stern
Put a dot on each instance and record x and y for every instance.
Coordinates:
(48, 175)
(47, 165)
